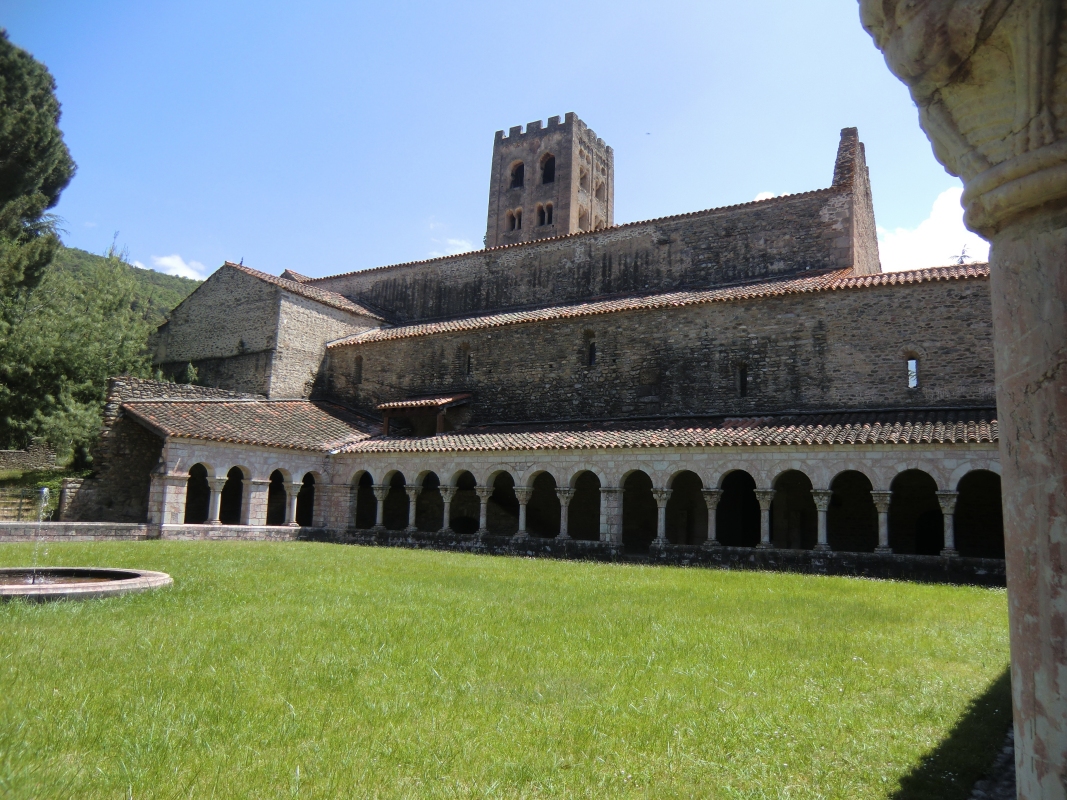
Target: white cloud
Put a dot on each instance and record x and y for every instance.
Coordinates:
(938, 240)
(451, 247)
(176, 265)
(764, 196)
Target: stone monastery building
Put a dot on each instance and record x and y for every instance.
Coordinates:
(724, 381)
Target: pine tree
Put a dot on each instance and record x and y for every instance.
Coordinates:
(35, 166)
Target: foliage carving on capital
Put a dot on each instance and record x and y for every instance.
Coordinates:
(991, 96)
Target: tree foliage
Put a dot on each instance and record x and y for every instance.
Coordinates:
(35, 166)
(66, 337)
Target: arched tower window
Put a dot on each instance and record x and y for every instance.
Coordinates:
(518, 219)
(518, 176)
(583, 219)
(913, 372)
(509, 220)
(540, 214)
(583, 178)
(548, 214)
(601, 192)
(548, 169)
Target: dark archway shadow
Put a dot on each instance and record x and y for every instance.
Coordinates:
(950, 770)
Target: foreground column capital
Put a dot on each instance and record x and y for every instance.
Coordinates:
(822, 499)
(765, 497)
(947, 500)
(564, 496)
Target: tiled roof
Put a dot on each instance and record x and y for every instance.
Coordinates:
(426, 402)
(657, 220)
(829, 281)
(293, 424)
(291, 275)
(310, 292)
(944, 426)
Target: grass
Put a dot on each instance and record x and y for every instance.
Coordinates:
(36, 478)
(275, 670)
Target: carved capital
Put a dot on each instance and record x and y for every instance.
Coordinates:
(216, 484)
(413, 492)
(447, 493)
(661, 496)
(380, 492)
(712, 498)
(764, 497)
(484, 492)
(882, 501)
(948, 502)
(983, 74)
(564, 496)
(522, 494)
(821, 498)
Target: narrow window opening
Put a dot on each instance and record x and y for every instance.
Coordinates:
(548, 214)
(583, 220)
(591, 355)
(357, 370)
(518, 176)
(583, 179)
(510, 221)
(601, 193)
(518, 219)
(913, 373)
(548, 169)
(742, 380)
(465, 359)
(540, 215)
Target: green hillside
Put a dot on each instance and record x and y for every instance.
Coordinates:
(157, 293)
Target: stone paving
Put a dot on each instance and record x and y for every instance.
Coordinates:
(999, 784)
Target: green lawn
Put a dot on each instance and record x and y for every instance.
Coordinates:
(308, 670)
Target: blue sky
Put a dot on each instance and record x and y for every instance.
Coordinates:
(327, 137)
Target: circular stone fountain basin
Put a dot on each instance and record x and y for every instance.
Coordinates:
(76, 583)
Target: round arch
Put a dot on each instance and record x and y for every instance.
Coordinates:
(852, 519)
(737, 519)
(687, 512)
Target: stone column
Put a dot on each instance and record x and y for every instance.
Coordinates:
(986, 77)
(881, 502)
(765, 496)
(381, 491)
(290, 502)
(255, 508)
(447, 493)
(822, 502)
(215, 503)
(413, 496)
(564, 496)
(711, 498)
(661, 496)
(484, 493)
(522, 494)
(948, 508)
(611, 515)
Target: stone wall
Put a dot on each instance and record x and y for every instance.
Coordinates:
(816, 351)
(753, 241)
(227, 329)
(37, 456)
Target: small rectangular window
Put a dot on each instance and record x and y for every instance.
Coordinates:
(913, 373)
(742, 380)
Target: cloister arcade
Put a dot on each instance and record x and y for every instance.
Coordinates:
(638, 509)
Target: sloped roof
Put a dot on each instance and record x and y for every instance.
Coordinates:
(829, 281)
(941, 426)
(436, 401)
(331, 299)
(292, 424)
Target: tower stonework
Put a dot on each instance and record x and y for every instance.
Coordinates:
(549, 181)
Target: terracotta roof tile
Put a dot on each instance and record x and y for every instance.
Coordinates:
(829, 281)
(426, 402)
(944, 426)
(310, 292)
(293, 424)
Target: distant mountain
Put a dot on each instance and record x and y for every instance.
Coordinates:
(159, 293)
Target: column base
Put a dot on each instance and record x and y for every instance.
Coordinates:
(411, 529)
(659, 545)
(378, 529)
(562, 537)
(822, 548)
(953, 553)
(446, 531)
(711, 544)
(765, 546)
(521, 536)
(885, 551)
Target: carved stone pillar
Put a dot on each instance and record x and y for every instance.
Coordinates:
(381, 491)
(881, 502)
(564, 496)
(988, 78)
(255, 507)
(290, 504)
(948, 508)
(765, 497)
(484, 493)
(447, 493)
(215, 502)
(661, 496)
(522, 494)
(822, 503)
(711, 498)
(611, 515)
(413, 496)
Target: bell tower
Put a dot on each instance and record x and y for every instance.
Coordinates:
(549, 181)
